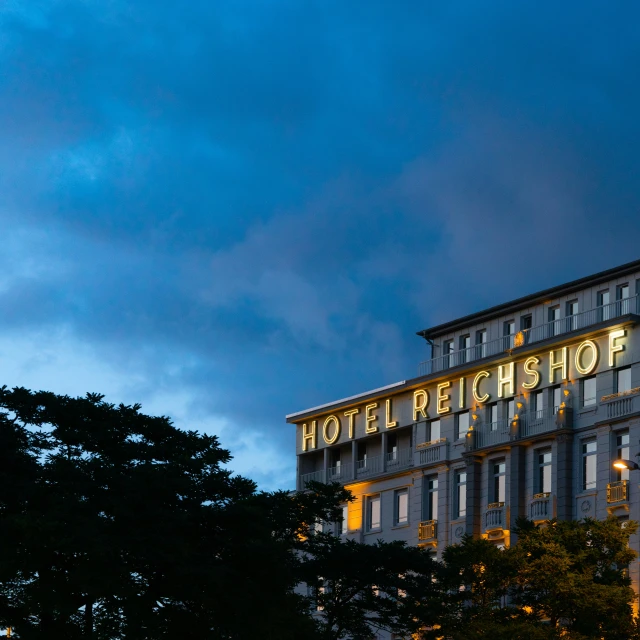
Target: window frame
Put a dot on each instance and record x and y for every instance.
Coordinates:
(617, 378)
(370, 501)
(458, 434)
(430, 426)
(622, 474)
(397, 495)
(430, 490)
(499, 480)
(587, 456)
(583, 383)
(460, 507)
(541, 465)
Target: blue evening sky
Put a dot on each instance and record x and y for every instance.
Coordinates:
(230, 211)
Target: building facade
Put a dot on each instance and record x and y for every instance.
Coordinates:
(520, 411)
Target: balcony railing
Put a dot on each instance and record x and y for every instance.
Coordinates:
(492, 433)
(369, 466)
(618, 491)
(620, 407)
(428, 530)
(315, 476)
(528, 336)
(495, 517)
(430, 452)
(400, 459)
(541, 507)
(340, 473)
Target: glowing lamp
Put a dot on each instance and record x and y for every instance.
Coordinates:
(625, 464)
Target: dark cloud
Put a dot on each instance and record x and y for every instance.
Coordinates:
(234, 211)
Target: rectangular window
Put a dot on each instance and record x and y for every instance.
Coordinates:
(623, 380)
(499, 481)
(511, 409)
(461, 494)
(481, 342)
(335, 459)
(392, 446)
(362, 452)
(622, 452)
(538, 403)
(604, 312)
(373, 513)
(557, 398)
(434, 431)
(572, 310)
(402, 506)
(508, 331)
(465, 345)
(545, 468)
(344, 523)
(493, 417)
(447, 350)
(462, 424)
(554, 321)
(622, 299)
(589, 391)
(589, 459)
(526, 322)
(430, 499)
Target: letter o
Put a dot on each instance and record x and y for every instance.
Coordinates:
(587, 344)
(336, 434)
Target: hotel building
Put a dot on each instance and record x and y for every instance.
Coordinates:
(520, 411)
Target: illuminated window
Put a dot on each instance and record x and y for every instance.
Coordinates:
(373, 512)
(460, 508)
(499, 481)
(430, 498)
(622, 452)
(402, 506)
(623, 380)
(462, 424)
(544, 460)
(434, 431)
(589, 460)
(589, 391)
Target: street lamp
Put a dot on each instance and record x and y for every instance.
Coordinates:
(625, 464)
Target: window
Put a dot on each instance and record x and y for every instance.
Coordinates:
(344, 523)
(603, 304)
(508, 331)
(589, 391)
(554, 321)
(461, 494)
(622, 299)
(511, 408)
(430, 499)
(557, 398)
(362, 453)
(373, 512)
(392, 447)
(493, 417)
(537, 401)
(433, 431)
(481, 342)
(572, 310)
(335, 459)
(622, 452)
(526, 322)
(462, 425)
(623, 380)
(589, 458)
(465, 344)
(402, 506)
(447, 350)
(543, 484)
(499, 481)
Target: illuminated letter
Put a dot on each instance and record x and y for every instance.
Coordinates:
(443, 397)
(561, 364)
(336, 434)
(390, 424)
(462, 393)
(351, 414)
(528, 363)
(369, 427)
(587, 344)
(476, 385)
(420, 403)
(613, 347)
(505, 379)
(309, 435)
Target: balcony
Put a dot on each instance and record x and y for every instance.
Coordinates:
(369, 466)
(428, 530)
(398, 460)
(618, 492)
(525, 337)
(541, 507)
(619, 405)
(495, 517)
(431, 452)
(340, 473)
